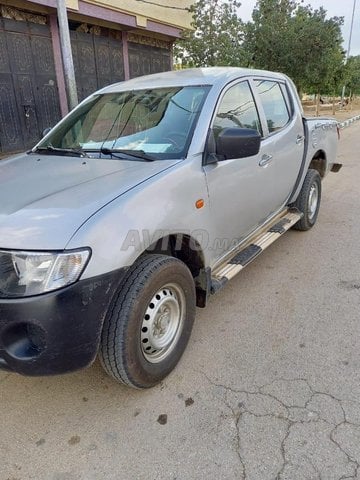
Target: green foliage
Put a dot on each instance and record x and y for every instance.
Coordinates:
(319, 50)
(267, 36)
(305, 44)
(352, 75)
(216, 38)
(284, 35)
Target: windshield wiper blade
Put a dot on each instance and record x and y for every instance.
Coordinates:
(131, 153)
(63, 151)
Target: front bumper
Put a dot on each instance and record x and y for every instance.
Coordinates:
(57, 332)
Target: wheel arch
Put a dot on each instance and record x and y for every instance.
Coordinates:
(319, 163)
(187, 249)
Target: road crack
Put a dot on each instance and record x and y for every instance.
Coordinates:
(295, 406)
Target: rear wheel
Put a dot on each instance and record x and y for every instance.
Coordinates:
(308, 201)
(149, 324)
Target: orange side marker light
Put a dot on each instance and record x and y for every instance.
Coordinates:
(199, 203)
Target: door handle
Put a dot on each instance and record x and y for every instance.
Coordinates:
(265, 160)
(300, 139)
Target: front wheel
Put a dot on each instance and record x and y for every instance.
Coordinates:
(308, 201)
(149, 323)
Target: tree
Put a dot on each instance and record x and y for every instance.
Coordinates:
(266, 39)
(352, 75)
(216, 38)
(319, 50)
(284, 35)
(297, 40)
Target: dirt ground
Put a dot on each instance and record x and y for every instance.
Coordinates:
(346, 113)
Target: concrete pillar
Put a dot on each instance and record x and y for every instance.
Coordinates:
(67, 57)
(59, 70)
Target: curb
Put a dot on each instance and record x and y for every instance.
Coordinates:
(347, 123)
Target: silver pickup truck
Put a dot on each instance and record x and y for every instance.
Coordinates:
(143, 201)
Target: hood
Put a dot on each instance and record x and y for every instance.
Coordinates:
(44, 199)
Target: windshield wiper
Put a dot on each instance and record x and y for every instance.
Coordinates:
(62, 151)
(127, 153)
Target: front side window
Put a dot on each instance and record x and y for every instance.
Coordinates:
(273, 102)
(157, 121)
(237, 109)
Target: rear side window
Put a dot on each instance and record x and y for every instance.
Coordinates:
(237, 109)
(274, 104)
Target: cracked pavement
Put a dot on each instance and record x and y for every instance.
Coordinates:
(268, 389)
(301, 433)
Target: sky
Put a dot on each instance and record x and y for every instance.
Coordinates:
(339, 8)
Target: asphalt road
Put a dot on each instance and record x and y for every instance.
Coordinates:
(269, 387)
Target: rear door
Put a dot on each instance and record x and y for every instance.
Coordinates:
(283, 138)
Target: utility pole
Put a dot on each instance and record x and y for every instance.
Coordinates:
(348, 50)
(66, 52)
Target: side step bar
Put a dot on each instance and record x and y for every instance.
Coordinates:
(258, 244)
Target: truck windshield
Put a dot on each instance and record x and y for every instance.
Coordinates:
(159, 122)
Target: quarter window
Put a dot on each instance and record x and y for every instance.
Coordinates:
(237, 109)
(274, 104)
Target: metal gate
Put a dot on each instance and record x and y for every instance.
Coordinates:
(98, 60)
(29, 100)
(145, 59)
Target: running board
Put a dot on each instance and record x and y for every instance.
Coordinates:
(258, 244)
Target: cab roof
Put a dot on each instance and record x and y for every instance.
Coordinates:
(192, 76)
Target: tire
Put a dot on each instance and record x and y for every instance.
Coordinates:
(308, 201)
(149, 323)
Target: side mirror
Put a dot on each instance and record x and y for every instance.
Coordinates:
(237, 143)
(46, 131)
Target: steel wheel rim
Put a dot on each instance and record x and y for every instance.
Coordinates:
(313, 201)
(162, 323)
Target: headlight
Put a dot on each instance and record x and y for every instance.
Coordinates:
(30, 273)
